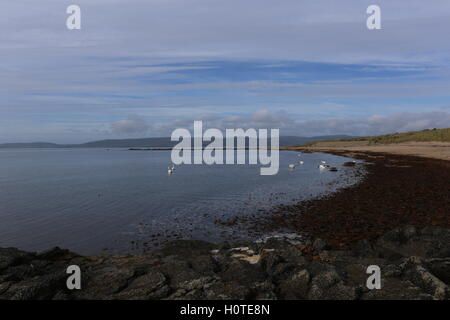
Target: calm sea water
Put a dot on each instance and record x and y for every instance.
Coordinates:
(89, 200)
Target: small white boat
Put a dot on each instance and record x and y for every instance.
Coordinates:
(323, 166)
(291, 166)
(301, 162)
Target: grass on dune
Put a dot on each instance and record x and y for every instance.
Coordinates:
(442, 135)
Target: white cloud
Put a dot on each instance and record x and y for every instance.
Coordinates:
(291, 125)
(49, 74)
(133, 125)
(376, 125)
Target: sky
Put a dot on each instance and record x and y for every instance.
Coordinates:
(142, 68)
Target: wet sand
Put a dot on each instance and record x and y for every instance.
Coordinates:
(398, 190)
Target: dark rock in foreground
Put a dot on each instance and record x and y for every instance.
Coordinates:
(415, 264)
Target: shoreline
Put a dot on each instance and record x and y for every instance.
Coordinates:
(415, 265)
(433, 150)
(397, 190)
(397, 217)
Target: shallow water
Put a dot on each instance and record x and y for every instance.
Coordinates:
(89, 200)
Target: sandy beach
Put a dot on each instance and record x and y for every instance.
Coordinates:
(435, 150)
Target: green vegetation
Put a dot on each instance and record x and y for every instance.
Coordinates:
(442, 135)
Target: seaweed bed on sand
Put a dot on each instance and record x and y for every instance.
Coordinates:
(397, 190)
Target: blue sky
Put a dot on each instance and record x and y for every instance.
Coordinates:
(143, 68)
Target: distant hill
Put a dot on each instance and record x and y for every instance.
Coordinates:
(30, 145)
(437, 135)
(163, 142)
(286, 141)
(129, 143)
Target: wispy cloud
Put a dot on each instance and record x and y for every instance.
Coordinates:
(165, 61)
(291, 125)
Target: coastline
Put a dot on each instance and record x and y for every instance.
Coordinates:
(397, 217)
(415, 264)
(397, 190)
(434, 150)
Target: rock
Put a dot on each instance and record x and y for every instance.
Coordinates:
(326, 279)
(230, 290)
(395, 289)
(408, 241)
(294, 255)
(178, 271)
(440, 268)
(254, 259)
(243, 273)
(263, 291)
(224, 246)
(204, 265)
(391, 271)
(408, 232)
(296, 287)
(329, 285)
(184, 248)
(388, 253)
(194, 289)
(279, 241)
(419, 275)
(339, 291)
(320, 245)
(284, 270)
(363, 248)
(4, 286)
(61, 295)
(437, 232)
(415, 264)
(270, 261)
(104, 282)
(240, 249)
(393, 236)
(12, 256)
(38, 288)
(149, 286)
(51, 254)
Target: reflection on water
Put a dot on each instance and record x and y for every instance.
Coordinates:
(90, 199)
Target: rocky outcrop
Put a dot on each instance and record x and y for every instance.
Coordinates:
(415, 264)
